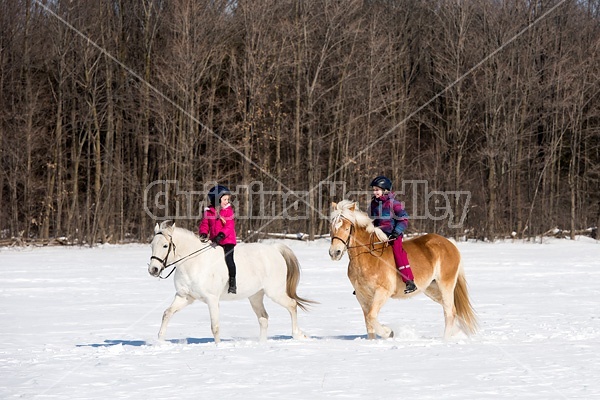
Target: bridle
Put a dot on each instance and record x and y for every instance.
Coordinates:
(370, 246)
(345, 242)
(172, 247)
(163, 261)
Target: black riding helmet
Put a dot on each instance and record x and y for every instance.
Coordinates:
(382, 182)
(215, 194)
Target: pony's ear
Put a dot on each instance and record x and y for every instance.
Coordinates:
(333, 205)
(352, 207)
(156, 229)
(165, 224)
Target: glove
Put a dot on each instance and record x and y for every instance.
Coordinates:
(203, 237)
(218, 239)
(394, 235)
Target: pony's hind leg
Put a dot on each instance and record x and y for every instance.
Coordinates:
(447, 294)
(292, 306)
(445, 298)
(256, 301)
(178, 303)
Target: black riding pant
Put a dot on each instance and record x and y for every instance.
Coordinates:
(229, 259)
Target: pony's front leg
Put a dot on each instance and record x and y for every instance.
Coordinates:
(178, 303)
(213, 310)
(371, 308)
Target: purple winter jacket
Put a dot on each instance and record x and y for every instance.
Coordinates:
(388, 214)
(212, 224)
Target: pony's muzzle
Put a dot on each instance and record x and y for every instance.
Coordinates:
(335, 254)
(152, 270)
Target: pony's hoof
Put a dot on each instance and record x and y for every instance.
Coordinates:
(300, 336)
(387, 333)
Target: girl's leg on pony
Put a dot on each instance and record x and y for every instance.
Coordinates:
(401, 259)
(230, 267)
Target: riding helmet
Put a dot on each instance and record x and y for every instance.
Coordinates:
(215, 194)
(382, 182)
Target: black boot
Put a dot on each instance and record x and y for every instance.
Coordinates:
(232, 287)
(410, 287)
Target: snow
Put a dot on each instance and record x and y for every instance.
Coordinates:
(82, 323)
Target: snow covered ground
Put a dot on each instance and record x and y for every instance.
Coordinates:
(81, 323)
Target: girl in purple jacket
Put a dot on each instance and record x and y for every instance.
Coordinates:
(390, 216)
(218, 225)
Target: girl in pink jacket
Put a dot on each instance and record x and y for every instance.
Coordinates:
(218, 225)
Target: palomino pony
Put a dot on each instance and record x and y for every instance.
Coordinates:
(201, 274)
(435, 262)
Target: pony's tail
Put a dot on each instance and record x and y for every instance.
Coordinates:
(464, 310)
(293, 277)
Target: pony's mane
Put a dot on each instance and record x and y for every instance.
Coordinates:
(186, 232)
(180, 231)
(360, 218)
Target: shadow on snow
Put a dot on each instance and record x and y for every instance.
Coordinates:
(140, 343)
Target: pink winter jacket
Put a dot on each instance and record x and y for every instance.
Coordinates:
(211, 225)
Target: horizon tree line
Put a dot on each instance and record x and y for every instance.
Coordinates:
(100, 100)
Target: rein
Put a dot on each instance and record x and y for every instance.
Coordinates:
(172, 246)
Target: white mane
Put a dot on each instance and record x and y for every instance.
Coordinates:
(186, 232)
(349, 210)
(182, 235)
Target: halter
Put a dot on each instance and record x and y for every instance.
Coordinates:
(172, 246)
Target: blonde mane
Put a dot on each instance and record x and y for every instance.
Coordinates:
(349, 210)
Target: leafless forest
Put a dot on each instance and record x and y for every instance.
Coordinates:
(116, 114)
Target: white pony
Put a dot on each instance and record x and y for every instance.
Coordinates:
(201, 274)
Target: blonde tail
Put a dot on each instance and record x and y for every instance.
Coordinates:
(464, 309)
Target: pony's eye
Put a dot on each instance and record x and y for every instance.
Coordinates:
(165, 246)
